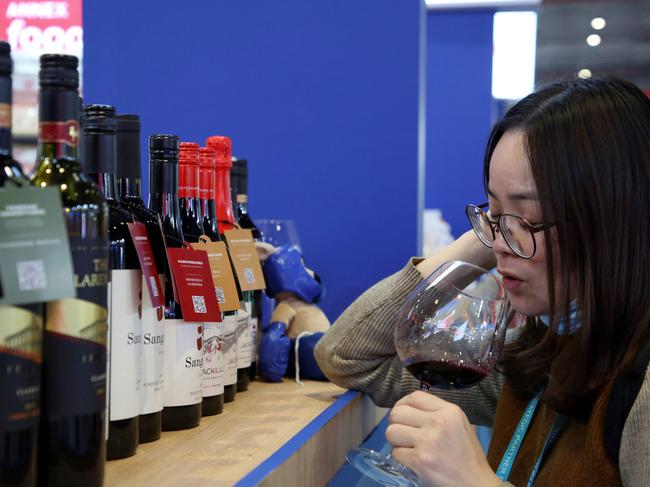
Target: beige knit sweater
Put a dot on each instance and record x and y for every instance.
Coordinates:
(358, 353)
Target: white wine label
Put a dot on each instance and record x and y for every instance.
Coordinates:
(213, 364)
(76, 336)
(183, 363)
(125, 331)
(229, 348)
(152, 365)
(254, 325)
(244, 343)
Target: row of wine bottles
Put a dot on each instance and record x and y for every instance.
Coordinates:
(89, 378)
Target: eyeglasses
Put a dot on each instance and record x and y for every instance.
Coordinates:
(518, 233)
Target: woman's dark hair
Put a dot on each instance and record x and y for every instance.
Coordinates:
(588, 143)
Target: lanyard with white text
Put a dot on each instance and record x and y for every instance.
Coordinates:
(503, 472)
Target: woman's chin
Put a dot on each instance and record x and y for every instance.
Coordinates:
(527, 306)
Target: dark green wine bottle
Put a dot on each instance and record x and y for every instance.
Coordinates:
(72, 439)
(21, 334)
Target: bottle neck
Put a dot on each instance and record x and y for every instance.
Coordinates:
(242, 204)
(163, 199)
(130, 189)
(188, 181)
(58, 124)
(225, 214)
(106, 184)
(5, 115)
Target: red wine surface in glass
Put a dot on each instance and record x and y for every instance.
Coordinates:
(446, 375)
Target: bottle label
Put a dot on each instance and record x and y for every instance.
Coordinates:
(183, 363)
(244, 343)
(213, 364)
(242, 198)
(21, 335)
(59, 132)
(5, 115)
(125, 339)
(152, 365)
(76, 335)
(229, 348)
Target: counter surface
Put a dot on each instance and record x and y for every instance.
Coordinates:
(226, 448)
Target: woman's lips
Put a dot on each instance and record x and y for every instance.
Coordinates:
(510, 282)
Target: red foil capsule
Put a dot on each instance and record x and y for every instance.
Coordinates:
(223, 147)
(188, 170)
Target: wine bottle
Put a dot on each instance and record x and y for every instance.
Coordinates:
(21, 335)
(72, 437)
(226, 221)
(11, 174)
(239, 180)
(98, 160)
(183, 389)
(213, 359)
(188, 191)
(129, 181)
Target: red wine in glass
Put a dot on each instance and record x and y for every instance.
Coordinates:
(449, 334)
(446, 375)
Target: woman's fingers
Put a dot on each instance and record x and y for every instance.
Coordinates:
(409, 416)
(400, 436)
(423, 401)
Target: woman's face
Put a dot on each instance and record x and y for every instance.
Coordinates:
(512, 190)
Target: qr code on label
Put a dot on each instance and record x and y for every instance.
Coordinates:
(154, 287)
(249, 277)
(220, 296)
(199, 304)
(31, 275)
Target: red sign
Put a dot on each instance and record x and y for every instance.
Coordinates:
(193, 278)
(142, 244)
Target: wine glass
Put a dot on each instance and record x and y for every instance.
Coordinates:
(279, 233)
(449, 333)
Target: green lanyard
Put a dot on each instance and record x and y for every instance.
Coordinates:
(503, 472)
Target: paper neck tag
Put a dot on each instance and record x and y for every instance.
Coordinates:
(140, 237)
(35, 262)
(191, 273)
(245, 260)
(222, 275)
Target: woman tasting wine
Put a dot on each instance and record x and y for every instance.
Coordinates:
(567, 175)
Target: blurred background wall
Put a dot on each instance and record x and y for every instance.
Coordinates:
(364, 122)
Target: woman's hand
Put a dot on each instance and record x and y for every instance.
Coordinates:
(433, 438)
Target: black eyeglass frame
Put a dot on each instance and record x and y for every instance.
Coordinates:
(533, 228)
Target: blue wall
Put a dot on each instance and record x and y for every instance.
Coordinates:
(459, 110)
(320, 96)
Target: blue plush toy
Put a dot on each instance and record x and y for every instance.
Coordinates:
(297, 323)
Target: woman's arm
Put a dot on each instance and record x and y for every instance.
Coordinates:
(358, 351)
(634, 454)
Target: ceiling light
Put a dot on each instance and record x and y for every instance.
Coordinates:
(584, 73)
(598, 23)
(593, 40)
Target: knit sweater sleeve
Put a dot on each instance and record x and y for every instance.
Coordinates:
(634, 453)
(358, 352)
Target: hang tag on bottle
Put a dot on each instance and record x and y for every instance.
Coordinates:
(35, 259)
(245, 260)
(140, 237)
(222, 275)
(191, 273)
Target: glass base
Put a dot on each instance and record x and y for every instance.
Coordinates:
(382, 468)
